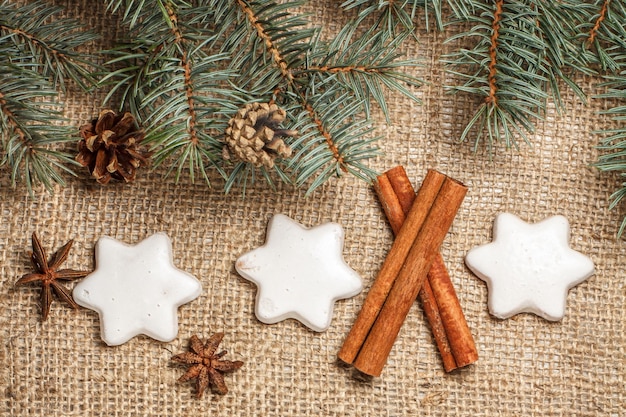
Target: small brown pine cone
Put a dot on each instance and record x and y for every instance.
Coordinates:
(109, 147)
(254, 135)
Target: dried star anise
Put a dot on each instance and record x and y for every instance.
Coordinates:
(207, 367)
(48, 273)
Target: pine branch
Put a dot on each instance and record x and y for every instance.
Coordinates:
(47, 43)
(314, 76)
(563, 57)
(503, 70)
(38, 54)
(569, 37)
(29, 117)
(613, 145)
(176, 89)
(605, 36)
(330, 153)
(286, 43)
(365, 66)
(603, 33)
(170, 70)
(524, 51)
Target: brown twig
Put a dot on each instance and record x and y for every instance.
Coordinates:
(184, 62)
(326, 134)
(11, 119)
(596, 27)
(58, 55)
(269, 44)
(493, 88)
(336, 69)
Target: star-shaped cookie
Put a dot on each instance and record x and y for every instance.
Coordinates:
(529, 267)
(136, 289)
(300, 273)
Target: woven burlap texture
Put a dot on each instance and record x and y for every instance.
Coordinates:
(527, 367)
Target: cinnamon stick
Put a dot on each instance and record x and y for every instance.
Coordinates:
(396, 195)
(458, 333)
(404, 271)
(438, 297)
(374, 352)
(391, 267)
(431, 311)
(403, 192)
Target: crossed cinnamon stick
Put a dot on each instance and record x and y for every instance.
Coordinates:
(413, 266)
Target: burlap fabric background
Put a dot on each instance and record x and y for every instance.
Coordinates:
(527, 366)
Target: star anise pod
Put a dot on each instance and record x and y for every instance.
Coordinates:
(48, 273)
(207, 367)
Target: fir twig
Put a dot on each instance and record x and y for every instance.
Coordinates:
(365, 66)
(279, 40)
(38, 53)
(330, 83)
(613, 145)
(524, 49)
(47, 43)
(563, 57)
(173, 85)
(510, 84)
(604, 35)
(29, 127)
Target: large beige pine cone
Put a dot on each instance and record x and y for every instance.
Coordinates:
(254, 135)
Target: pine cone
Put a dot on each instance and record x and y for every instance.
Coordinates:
(254, 135)
(109, 147)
